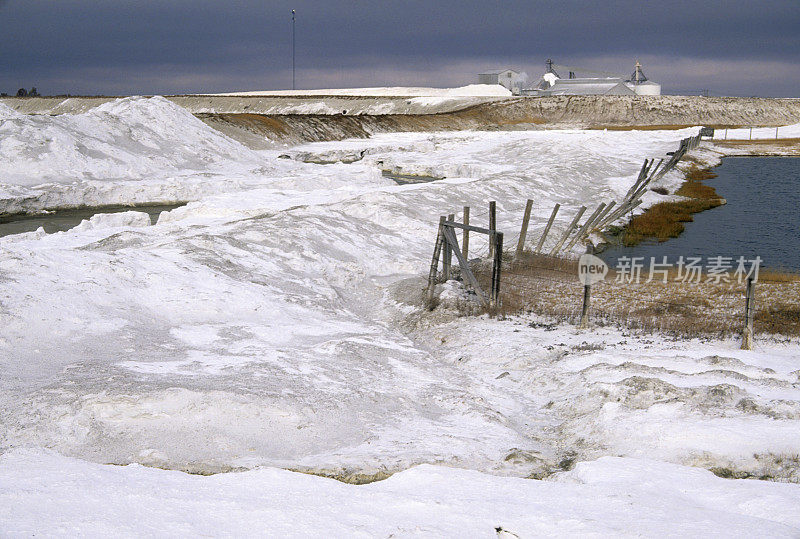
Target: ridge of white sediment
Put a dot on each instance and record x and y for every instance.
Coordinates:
(275, 322)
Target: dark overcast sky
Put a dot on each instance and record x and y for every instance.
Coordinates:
(733, 47)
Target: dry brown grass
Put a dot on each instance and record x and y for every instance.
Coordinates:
(665, 220)
(549, 286)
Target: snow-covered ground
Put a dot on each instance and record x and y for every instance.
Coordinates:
(275, 321)
(758, 133)
(471, 90)
(607, 497)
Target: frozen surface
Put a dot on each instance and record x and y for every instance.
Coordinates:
(276, 321)
(46, 494)
(471, 90)
(758, 133)
(125, 151)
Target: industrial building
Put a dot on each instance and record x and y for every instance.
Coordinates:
(508, 78)
(551, 83)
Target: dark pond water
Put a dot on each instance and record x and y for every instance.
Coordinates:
(62, 220)
(405, 179)
(761, 218)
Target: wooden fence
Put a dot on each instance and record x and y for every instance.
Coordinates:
(526, 279)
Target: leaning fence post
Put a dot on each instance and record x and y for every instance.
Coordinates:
(526, 217)
(437, 249)
(465, 243)
(587, 292)
(586, 228)
(448, 254)
(568, 231)
(547, 228)
(496, 240)
(749, 312)
(492, 223)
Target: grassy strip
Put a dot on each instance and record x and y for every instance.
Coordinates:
(665, 220)
(701, 308)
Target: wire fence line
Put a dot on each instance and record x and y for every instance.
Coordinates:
(519, 279)
(544, 285)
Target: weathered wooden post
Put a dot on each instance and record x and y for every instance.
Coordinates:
(749, 314)
(547, 228)
(492, 224)
(587, 292)
(526, 217)
(437, 249)
(448, 254)
(586, 228)
(496, 239)
(465, 244)
(568, 231)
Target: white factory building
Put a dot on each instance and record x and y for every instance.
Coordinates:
(508, 78)
(552, 84)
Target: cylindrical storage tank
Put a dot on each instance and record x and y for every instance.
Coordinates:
(647, 88)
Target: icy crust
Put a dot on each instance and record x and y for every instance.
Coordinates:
(121, 219)
(280, 324)
(46, 494)
(758, 133)
(604, 392)
(479, 90)
(7, 113)
(133, 149)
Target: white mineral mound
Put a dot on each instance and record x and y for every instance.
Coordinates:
(131, 138)
(472, 90)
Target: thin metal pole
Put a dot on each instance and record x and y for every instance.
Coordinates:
(293, 86)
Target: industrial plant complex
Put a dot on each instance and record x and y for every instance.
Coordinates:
(551, 83)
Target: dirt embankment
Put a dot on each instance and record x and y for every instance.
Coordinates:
(613, 112)
(263, 121)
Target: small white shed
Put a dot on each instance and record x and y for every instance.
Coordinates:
(508, 78)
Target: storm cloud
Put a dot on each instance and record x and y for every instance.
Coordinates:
(112, 47)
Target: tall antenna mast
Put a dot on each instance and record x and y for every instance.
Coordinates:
(293, 50)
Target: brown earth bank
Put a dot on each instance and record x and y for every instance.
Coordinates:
(263, 120)
(597, 112)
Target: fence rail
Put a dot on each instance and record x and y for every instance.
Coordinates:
(527, 280)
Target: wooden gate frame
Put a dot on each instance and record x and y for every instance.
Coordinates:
(447, 241)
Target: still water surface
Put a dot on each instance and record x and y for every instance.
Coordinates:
(761, 218)
(62, 220)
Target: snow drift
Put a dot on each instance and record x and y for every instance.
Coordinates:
(126, 151)
(471, 90)
(276, 321)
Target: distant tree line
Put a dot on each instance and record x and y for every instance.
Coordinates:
(33, 92)
(22, 92)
